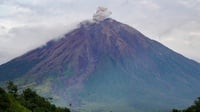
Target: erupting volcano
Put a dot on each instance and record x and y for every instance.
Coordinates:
(107, 66)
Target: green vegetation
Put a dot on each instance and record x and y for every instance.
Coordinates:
(12, 89)
(193, 108)
(27, 101)
(8, 103)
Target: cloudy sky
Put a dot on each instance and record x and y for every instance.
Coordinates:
(28, 24)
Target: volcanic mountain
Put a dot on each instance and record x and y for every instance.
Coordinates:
(107, 66)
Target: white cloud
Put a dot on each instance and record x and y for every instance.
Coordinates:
(149, 4)
(34, 22)
(19, 40)
(191, 4)
(184, 39)
(193, 33)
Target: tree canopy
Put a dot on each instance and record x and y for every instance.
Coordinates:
(195, 107)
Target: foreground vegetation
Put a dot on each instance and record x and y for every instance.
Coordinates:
(193, 108)
(30, 101)
(27, 101)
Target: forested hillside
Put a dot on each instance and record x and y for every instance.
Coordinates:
(27, 101)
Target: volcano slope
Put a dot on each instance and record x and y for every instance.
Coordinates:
(107, 66)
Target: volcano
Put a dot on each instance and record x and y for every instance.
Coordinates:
(107, 66)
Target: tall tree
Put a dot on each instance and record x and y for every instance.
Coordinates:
(12, 88)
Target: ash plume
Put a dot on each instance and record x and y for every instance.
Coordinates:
(101, 14)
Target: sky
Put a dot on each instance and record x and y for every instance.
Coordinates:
(28, 24)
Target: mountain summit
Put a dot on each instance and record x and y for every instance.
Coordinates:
(107, 66)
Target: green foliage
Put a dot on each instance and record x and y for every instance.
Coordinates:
(4, 102)
(175, 110)
(12, 88)
(36, 103)
(28, 101)
(193, 108)
(9, 104)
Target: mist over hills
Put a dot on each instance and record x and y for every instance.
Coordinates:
(107, 66)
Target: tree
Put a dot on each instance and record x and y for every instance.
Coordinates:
(12, 88)
(175, 110)
(193, 108)
(36, 103)
(4, 101)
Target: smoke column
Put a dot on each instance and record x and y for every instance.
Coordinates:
(101, 14)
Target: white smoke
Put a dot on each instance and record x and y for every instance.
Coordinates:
(101, 14)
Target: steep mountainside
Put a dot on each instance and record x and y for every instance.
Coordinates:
(108, 66)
